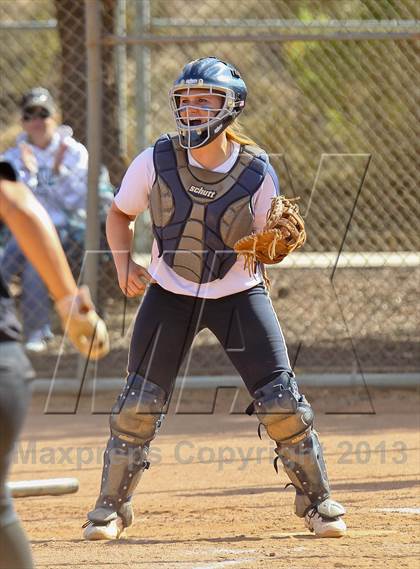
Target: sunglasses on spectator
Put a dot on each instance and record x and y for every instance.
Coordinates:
(31, 115)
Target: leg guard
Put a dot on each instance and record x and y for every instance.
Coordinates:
(304, 464)
(288, 419)
(134, 421)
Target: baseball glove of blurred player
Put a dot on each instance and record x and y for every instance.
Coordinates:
(86, 330)
(284, 232)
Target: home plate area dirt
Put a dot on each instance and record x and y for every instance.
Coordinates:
(212, 499)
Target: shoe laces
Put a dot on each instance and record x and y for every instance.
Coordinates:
(312, 512)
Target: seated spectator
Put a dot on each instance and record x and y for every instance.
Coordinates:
(54, 166)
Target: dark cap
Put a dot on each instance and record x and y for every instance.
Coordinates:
(38, 97)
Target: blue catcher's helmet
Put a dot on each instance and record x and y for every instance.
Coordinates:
(198, 125)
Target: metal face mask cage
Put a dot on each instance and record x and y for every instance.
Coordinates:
(213, 120)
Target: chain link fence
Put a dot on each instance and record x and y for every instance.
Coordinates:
(333, 98)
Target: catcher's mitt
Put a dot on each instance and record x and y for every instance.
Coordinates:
(284, 232)
(86, 330)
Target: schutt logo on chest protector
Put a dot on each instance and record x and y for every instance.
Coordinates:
(200, 192)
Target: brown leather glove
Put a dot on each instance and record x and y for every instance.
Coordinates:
(284, 232)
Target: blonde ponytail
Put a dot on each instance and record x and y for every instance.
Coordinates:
(235, 133)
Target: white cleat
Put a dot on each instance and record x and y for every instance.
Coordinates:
(325, 527)
(325, 519)
(112, 530)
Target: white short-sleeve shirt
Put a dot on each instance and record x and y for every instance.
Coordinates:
(133, 199)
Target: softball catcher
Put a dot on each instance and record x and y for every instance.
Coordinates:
(208, 189)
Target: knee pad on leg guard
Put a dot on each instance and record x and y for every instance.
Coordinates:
(134, 421)
(137, 414)
(288, 419)
(285, 414)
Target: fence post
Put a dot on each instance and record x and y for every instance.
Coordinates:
(94, 144)
(142, 26)
(94, 140)
(143, 104)
(121, 73)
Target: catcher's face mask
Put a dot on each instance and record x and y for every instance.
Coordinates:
(200, 123)
(201, 113)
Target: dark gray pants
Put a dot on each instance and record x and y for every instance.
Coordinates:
(244, 323)
(15, 369)
(246, 326)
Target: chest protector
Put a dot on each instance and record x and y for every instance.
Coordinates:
(198, 215)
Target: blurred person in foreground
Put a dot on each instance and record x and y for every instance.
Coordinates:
(54, 166)
(30, 225)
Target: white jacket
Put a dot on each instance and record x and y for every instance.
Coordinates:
(62, 195)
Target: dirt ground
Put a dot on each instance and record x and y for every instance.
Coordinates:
(212, 499)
